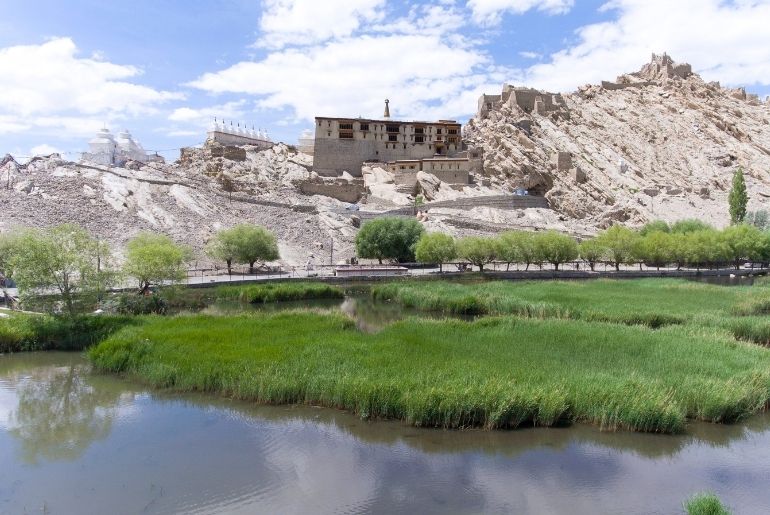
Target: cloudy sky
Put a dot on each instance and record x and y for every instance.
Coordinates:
(165, 69)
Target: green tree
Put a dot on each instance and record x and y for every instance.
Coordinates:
(63, 259)
(619, 242)
(742, 242)
(7, 244)
(704, 248)
(517, 247)
(155, 258)
(477, 251)
(389, 238)
(759, 219)
(655, 248)
(654, 226)
(435, 247)
(253, 244)
(591, 251)
(689, 225)
(738, 198)
(223, 247)
(556, 248)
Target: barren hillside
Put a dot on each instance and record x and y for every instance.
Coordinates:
(654, 144)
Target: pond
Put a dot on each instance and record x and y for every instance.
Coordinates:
(72, 441)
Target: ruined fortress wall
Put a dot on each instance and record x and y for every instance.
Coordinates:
(451, 176)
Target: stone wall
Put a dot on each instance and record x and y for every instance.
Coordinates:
(226, 138)
(342, 190)
(452, 176)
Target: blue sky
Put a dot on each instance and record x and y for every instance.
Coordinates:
(164, 69)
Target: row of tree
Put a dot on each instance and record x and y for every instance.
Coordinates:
(689, 243)
(67, 260)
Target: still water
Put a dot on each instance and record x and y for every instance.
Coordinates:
(72, 441)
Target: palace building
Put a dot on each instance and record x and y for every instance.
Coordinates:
(344, 144)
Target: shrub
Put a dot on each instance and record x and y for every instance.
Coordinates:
(705, 504)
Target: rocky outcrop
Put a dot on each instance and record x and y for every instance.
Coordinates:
(660, 128)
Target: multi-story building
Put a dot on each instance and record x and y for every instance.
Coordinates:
(344, 144)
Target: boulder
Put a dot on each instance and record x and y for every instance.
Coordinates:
(428, 184)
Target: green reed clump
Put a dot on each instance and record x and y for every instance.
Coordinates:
(496, 372)
(23, 332)
(275, 292)
(705, 503)
(650, 302)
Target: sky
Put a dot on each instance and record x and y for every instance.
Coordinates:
(165, 68)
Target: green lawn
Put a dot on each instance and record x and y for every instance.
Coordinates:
(496, 372)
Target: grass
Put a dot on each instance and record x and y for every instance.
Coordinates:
(29, 332)
(653, 302)
(705, 504)
(497, 372)
(284, 291)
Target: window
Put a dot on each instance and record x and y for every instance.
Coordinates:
(392, 128)
(451, 131)
(328, 133)
(329, 123)
(419, 130)
(346, 126)
(346, 135)
(364, 126)
(419, 139)
(392, 137)
(438, 131)
(404, 146)
(402, 167)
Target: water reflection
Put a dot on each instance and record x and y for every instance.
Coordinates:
(100, 446)
(60, 409)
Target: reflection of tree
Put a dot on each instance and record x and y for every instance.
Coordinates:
(60, 413)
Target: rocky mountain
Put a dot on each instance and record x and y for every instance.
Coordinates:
(657, 143)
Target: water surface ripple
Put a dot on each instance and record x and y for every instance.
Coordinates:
(72, 441)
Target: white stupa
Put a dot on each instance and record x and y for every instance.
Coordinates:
(104, 149)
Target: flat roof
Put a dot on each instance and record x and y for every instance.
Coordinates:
(371, 120)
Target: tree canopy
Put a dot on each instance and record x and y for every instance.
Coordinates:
(517, 247)
(556, 248)
(591, 251)
(619, 242)
(389, 238)
(477, 250)
(154, 258)
(63, 259)
(738, 198)
(435, 247)
(250, 244)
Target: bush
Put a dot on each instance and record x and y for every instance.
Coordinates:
(47, 332)
(128, 304)
(705, 504)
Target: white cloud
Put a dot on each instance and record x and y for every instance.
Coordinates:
(420, 61)
(530, 55)
(489, 12)
(352, 76)
(302, 22)
(48, 85)
(725, 41)
(44, 150)
(203, 116)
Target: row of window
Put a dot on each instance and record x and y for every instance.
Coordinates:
(348, 126)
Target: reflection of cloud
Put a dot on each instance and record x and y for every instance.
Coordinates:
(174, 453)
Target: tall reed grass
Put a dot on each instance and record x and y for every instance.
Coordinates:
(497, 372)
(284, 291)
